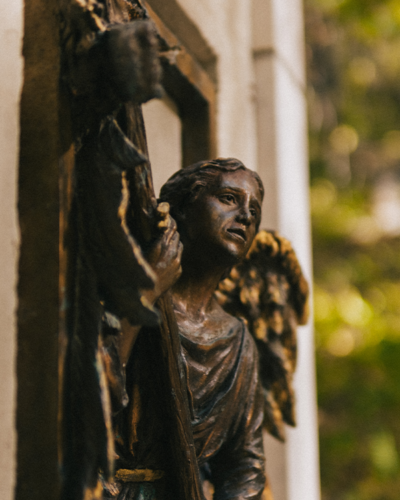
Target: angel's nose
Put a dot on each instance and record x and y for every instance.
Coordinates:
(244, 216)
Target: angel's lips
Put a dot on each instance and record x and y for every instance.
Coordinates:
(238, 233)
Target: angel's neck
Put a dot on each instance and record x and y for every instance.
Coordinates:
(193, 293)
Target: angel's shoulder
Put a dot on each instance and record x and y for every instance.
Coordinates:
(222, 322)
(220, 314)
(237, 326)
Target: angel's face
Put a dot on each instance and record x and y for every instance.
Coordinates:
(223, 220)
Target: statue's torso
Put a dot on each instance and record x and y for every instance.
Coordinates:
(221, 368)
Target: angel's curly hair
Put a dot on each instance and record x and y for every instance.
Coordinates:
(184, 187)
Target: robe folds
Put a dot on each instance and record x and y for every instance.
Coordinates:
(226, 405)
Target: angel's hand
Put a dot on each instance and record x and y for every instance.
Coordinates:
(164, 257)
(165, 254)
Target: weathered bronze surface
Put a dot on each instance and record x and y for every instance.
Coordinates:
(180, 316)
(111, 65)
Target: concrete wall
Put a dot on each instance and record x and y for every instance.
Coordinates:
(11, 72)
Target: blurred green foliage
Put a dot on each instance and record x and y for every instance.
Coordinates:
(353, 58)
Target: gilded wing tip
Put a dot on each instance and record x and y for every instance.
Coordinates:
(273, 420)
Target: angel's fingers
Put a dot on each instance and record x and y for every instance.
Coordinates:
(162, 225)
(171, 234)
(163, 216)
(180, 250)
(175, 247)
(172, 222)
(167, 224)
(178, 256)
(163, 209)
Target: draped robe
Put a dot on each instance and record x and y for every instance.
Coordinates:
(226, 404)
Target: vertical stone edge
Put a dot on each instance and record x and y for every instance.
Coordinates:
(11, 34)
(38, 278)
(302, 454)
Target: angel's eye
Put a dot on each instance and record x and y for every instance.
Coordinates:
(228, 198)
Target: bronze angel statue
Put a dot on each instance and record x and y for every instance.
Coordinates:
(190, 408)
(238, 296)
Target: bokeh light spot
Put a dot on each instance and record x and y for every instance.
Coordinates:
(362, 71)
(384, 454)
(323, 305)
(352, 308)
(344, 139)
(323, 196)
(341, 343)
(391, 144)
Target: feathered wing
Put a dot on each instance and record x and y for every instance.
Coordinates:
(269, 291)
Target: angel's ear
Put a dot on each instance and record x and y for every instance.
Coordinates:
(181, 209)
(181, 212)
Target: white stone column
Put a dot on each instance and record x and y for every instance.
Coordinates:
(11, 74)
(278, 50)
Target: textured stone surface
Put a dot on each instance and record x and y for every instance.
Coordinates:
(11, 63)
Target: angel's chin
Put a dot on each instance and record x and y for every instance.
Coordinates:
(224, 250)
(237, 250)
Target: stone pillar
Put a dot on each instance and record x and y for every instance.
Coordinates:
(278, 52)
